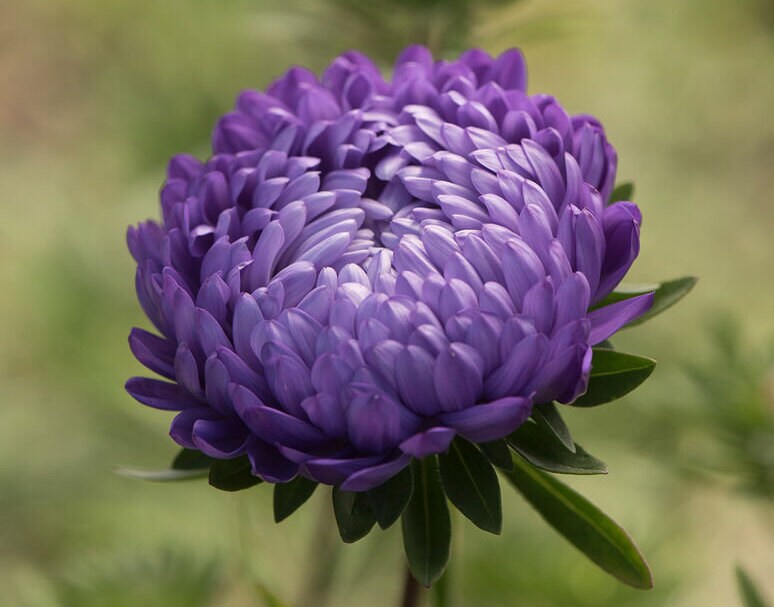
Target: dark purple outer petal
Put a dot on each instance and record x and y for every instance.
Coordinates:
(365, 269)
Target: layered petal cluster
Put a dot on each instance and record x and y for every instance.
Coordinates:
(365, 269)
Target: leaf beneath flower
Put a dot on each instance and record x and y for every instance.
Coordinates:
(543, 449)
(389, 500)
(353, 514)
(471, 484)
(548, 416)
(613, 375)
(191, 459)
(589, 529)
(290, 496)
(233, 474)
(426, 524)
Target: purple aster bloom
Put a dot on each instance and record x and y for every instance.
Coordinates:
(364, 269)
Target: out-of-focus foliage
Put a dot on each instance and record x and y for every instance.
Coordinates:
(736, 389)
(751, 596)
(168, 579)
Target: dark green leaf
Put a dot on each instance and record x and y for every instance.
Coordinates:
(613, 375)
(547, 415)
(665, 296)
(389, 500)
(498, 453)
(233, 474)
(353, 514)
(471, 484)
(289, 497)
(191, 459)
(543, 449)
(590, 530)
(623, 191)
(751, 596)
(160, 476)
(426, 524)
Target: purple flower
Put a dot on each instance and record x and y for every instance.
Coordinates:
(365, 269)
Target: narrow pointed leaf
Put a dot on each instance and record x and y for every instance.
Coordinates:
(290, 496)
(613, 375)
(191, 459)
(623, 191)
(498, 453)
(160, 476)
(353, 514)
(233, 474)
(541, 448)
(666, 294)
(471, 484)
(426, 524)
(751, 596)
(548, 416)
(389, 500)
(585, 526)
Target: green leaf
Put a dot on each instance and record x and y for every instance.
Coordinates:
(613, 375)
(233, 474)
(471, 484)
(498, 453)
(541, 448)
(547, 415)
(590, 530)
(160, 476)
(389, 500)
(426, 524)
(353, 514)
(191, 459)
(665, 295)
(751, 596)
(623, 191)
(290, 496)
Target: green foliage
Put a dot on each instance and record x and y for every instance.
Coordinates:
(665, 295)
(471, 484)
(623, 191)
(613, 375)
(426, 524)
(583, 524)
(171, 579)
(734, 404)
(541, 448)
(191, 459)
(290, 496)
(751, 596)
(353, 514)
(233, 474)
(498, 453)
(389, 500)
(548, 416)
(160, 476)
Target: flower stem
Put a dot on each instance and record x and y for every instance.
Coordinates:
(411, 591)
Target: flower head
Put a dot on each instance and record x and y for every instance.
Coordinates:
(365, 269)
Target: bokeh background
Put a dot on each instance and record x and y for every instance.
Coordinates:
(95, 96)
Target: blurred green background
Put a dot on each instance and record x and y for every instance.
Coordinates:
(97, 95)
